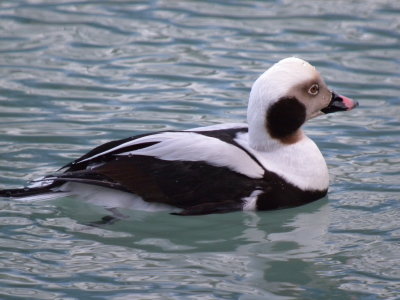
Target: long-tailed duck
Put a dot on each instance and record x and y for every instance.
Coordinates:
(266, 164)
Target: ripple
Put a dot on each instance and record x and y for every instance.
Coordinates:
(75, 74)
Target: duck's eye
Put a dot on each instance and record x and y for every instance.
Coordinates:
(314, 89)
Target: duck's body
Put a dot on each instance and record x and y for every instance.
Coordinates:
(268, 164)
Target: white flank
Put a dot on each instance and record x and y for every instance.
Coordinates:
(42, 197)
(110, 198)
(250, 202)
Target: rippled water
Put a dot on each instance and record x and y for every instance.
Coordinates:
(74, 74)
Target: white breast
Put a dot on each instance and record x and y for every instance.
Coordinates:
(301, 164)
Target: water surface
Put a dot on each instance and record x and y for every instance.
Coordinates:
(74, 74)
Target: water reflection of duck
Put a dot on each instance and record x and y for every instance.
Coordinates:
(268, 164)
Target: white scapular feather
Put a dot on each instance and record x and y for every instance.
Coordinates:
(190, 146)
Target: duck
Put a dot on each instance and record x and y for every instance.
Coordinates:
(267, 163)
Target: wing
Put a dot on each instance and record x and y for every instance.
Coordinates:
(215, 147)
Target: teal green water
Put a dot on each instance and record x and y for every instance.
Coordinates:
(74, 74)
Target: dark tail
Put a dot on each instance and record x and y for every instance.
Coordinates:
(50, 184)
(27, 192)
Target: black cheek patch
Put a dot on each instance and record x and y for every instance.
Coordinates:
(285, 117)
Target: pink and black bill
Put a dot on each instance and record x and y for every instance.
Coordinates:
(339, 103)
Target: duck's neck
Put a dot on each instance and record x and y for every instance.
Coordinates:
(261, 140)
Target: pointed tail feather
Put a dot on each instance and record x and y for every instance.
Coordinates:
(33, 193)
(50, 187)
